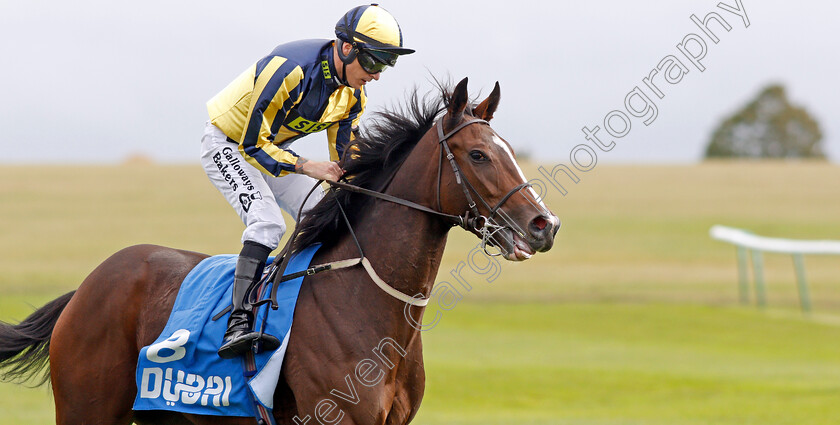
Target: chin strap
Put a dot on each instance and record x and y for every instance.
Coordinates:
(343, 79)
(345, 60)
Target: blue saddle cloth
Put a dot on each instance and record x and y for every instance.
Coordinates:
(181, 371)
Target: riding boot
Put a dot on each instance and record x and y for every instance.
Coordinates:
(237, 340)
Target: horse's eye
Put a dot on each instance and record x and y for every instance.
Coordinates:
(478, 156)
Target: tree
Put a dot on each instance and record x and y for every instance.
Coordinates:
(768, 127)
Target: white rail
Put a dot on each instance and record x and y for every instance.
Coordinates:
(782, 246)
(756, 245)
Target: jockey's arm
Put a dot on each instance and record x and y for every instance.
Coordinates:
(341, 135)
(272, 99)
(338, 136)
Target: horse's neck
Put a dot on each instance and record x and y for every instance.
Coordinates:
(406, 245)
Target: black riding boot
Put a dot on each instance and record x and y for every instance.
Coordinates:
(241, 318)
(239, 336)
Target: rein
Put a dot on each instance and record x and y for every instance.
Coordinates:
(455, 219)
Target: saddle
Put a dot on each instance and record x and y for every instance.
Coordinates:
(181, 371)
(272, 276)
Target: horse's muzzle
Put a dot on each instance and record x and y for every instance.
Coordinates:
(519, 244)
(542, 231)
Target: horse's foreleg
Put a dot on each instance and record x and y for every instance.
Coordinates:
(412, 383)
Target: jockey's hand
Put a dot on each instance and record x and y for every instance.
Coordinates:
(320, 170)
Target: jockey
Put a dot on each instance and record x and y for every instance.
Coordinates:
(300, 88)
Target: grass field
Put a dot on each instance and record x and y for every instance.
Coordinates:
(633, 317)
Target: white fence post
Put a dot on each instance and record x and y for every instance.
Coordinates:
(756, 245)
(743, 277)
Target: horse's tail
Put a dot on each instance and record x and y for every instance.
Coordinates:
(25, 347)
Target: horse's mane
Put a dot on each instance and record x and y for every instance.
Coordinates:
(370, 161)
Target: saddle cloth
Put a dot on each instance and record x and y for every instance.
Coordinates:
(181, 371)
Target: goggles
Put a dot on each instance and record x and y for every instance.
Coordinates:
(374, 61)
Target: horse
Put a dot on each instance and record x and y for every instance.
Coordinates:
(350, 341)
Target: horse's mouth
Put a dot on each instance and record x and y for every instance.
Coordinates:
(514, 247)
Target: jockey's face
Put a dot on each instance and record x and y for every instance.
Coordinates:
(356, 75)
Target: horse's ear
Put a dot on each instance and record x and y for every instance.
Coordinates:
(458, 102)
(487, 108)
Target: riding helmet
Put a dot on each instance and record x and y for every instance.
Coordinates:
(372, 29)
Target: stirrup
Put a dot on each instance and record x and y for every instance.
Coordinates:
(240, 344)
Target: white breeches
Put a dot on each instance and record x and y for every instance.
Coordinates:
(257, 197)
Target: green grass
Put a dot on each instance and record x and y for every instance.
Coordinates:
(557, 363)
(629, 232)
(563, 363)
(629, 364)
(633, 317)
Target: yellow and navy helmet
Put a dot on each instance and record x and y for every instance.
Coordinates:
(373, 30)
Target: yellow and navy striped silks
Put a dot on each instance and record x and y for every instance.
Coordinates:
(286, 95)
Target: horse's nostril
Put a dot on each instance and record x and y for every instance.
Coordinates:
(539, 223)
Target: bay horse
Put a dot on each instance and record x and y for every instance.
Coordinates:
(350, 341)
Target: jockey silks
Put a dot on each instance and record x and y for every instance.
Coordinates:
(286, 95)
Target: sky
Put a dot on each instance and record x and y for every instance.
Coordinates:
(98, 81)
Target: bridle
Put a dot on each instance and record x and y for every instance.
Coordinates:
(472, 220)
(484, 226)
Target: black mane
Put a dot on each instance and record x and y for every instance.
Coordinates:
(370, 161)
